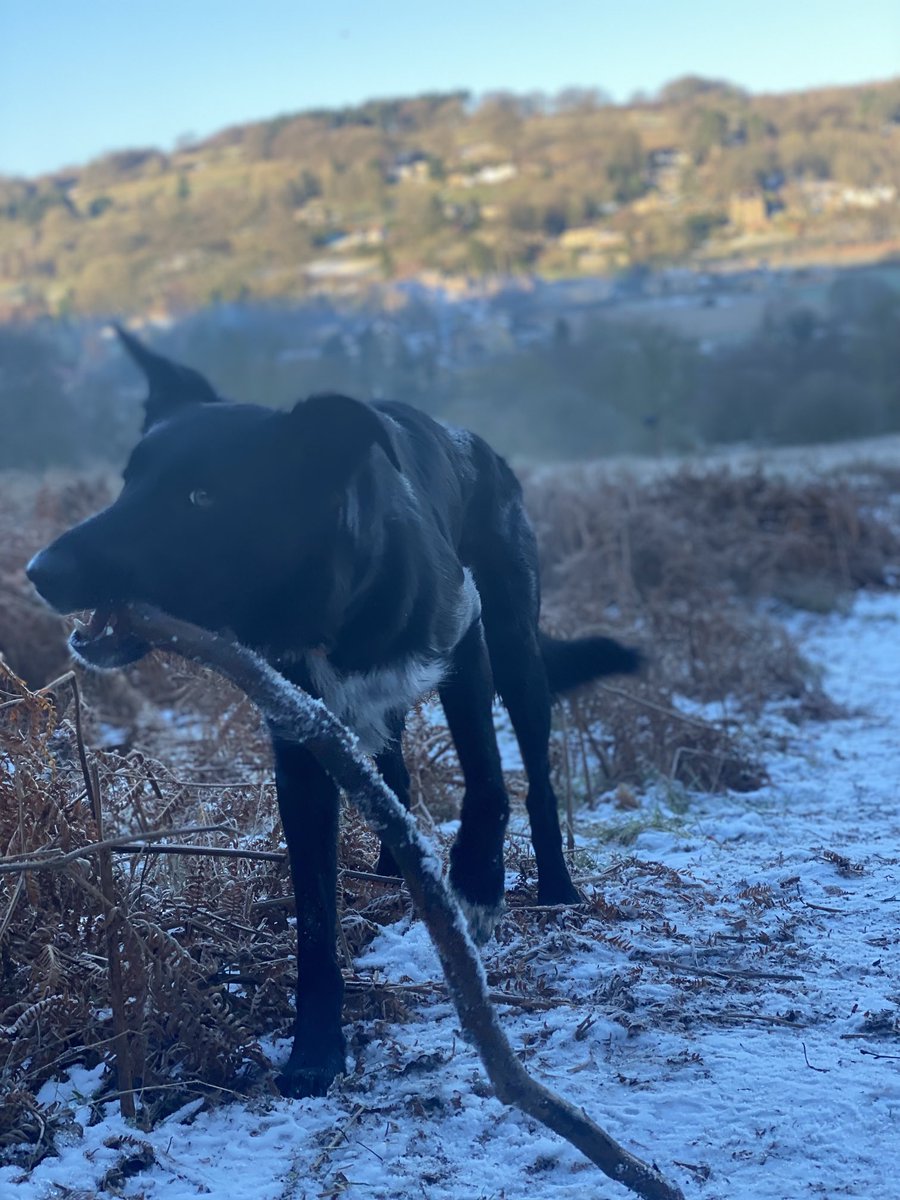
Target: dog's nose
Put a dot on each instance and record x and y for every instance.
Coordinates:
(52, 571)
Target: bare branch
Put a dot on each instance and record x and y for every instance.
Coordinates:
(58, 862)
(69, 677)
(276, 856)
(112, 925)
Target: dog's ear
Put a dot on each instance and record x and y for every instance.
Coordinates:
(172, 386)
(339, 432)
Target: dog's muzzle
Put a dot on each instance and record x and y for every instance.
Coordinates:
(106, 640)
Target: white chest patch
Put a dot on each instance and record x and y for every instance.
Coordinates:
(364, 701)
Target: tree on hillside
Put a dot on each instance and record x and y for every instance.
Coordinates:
(123, 165)
(581, 100)
(690, 87)
(626, 166)
(706, 129)
(499, 116)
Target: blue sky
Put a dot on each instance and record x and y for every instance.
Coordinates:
(80, 77)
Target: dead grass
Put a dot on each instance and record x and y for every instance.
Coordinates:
(687, 567)
(32, 511)
(692, 567)
(206, 955)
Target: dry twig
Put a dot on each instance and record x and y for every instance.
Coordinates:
(112, 927)
(13, 865)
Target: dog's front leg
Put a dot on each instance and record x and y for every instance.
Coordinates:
(392, 768)
(476, 858)
(308, 802)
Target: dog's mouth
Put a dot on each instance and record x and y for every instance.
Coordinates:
(107, 640)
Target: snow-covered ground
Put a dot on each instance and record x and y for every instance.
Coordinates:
(728, 1005)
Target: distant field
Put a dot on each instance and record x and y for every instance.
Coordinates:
(729, 318)
(834, 460)
(733, 316)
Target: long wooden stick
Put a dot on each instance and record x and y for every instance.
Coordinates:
(296, 716)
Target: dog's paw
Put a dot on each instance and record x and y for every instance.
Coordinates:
(297, 1082)
(482, 919)
(302, 1077)
(476, 879)
(559, 891)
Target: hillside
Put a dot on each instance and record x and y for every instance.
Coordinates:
(446, 189)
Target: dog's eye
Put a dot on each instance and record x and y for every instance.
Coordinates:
(200, 498)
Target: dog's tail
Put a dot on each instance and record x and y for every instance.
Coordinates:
(569, 664)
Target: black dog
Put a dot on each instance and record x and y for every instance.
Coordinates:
(371, 555)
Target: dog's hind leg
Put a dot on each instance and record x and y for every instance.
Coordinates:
(476, 859)
(522, 683)
(392, 768)
(308, 802)
(504, 561)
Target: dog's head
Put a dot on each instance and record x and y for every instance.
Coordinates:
(226, 509)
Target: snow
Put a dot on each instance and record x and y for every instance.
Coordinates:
(729, 1008)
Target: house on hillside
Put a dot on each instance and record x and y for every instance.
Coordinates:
(357, 239)
(752, 211)
(591, 238)
(666, 167)
(830, 196)
(595, 250)
(409, 166)
(340, 270)
(495, 173)
(868, 197)
(488, 175)
(315, 213)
